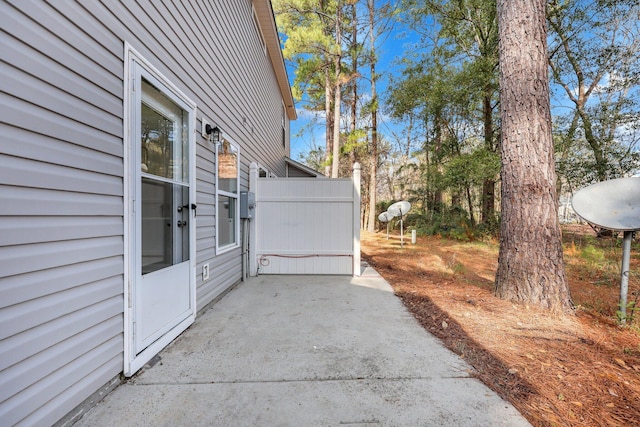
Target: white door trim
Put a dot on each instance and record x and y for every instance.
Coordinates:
(132, 361)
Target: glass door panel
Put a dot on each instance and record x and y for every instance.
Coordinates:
(164, 147)
(165, 181)
(165, 231)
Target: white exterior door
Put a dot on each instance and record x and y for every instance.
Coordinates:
(163, 213)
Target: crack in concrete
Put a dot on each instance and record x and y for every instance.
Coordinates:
(303, 380)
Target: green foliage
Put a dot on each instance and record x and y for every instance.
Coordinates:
(629, 314)
(451, 92)
(471, 169)
(356, 142)
(592, 255)
(315, 158)
(308, 80)
(453, 223)
(383, 205)
(489, 228)
(595, 61)
(308, 43)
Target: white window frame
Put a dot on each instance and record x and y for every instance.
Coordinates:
(236, 196)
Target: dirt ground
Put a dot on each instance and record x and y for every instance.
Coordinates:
(580, 370)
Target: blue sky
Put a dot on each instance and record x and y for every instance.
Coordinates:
(391, 48)
(307, 132)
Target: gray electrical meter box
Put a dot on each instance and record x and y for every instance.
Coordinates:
(247, 204)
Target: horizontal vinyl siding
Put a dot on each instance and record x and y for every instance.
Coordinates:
(224, 69)
(20, 230)
(45, 363)
(38, 92)
(26, 173)
(25, 287)
(39, 120)
(247, 106)
(43, 202)
(226, 271)
(264, 115)
(62, 43)
(57, 151)
(62, 166)
(49, 334)
(62, 381)
(22, 317)
(64, 403)
(61, 216)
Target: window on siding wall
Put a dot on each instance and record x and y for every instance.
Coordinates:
(227, 178)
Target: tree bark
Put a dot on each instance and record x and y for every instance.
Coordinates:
(530, 262)
(470, 203)
(355, 63)
(488, 201)
(488, 186)
(337, 103)
(335, 162)
(373, 179)
(328, 96)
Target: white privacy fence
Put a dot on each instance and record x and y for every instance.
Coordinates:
(305, 225)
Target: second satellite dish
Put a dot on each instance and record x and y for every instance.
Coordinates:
(385, 217)
(613, 204)
(399, 208)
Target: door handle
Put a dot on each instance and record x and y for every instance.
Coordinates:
(192, 206)
(182, 223)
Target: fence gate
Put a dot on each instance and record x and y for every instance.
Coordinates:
(306, 226)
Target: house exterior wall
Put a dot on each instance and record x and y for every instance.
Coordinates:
(298, 173)
(62, 175)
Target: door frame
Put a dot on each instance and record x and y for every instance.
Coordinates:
(132, 361)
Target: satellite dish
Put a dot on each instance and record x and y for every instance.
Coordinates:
(399, 208)
(613, 204)
(385, 217)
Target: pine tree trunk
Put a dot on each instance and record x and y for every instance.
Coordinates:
(328, 96)
(488, 186)
(488, 201)
(337, 103)
(335, 162)
(373, 179)
(355, 63)
(530, 263)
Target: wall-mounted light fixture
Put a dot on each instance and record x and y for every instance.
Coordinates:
(214, 132)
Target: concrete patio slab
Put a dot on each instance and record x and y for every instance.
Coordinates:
(306, 351)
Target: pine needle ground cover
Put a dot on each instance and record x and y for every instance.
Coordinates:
(557, 371)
